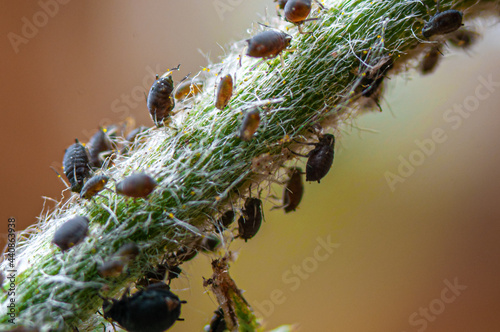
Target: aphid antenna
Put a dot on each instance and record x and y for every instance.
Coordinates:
(169, 71)
(60, 177)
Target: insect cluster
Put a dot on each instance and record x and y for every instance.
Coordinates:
(153, 307)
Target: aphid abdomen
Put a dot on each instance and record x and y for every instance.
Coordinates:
(249, 223)
(443, 23)
(71, 232)
(98, 144)
(250, 124)
(294, 190)
(76, 165)
(268, 44)
(94, 185)
(224, 92)
(297, 11)
(160, 100)
(137, 185)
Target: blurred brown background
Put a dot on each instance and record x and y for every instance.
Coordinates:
(397, 252)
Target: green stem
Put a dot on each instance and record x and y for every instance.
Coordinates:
(200, 163)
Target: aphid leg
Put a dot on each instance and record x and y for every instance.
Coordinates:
(320, 4)
(60, 177)
(281, 58)
(298, 154)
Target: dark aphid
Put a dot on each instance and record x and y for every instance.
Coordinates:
(442, 22)
(209, 243)
(98, 144)
(224, 92)
(188, 89)
(294, 189)
(281, 3)
(320, 158)
(250, 124)
(430, 60)
(184, 254)
(251, 218)
(268, 44)
(138, 185)
(111, 268)
(71, 232)
(226, 219)
(463, 38)
(128, 251)
(217, 324)
(158, 275)
(76, 165)
(154, 309)
(93, 185)
(160, 99)
(375, 76)
(133, 134)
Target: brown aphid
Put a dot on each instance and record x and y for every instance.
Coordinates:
(430, 60)
(98, 144)
(268, 44)
(93, 185)
(281, 3)
(128, 251)
(294, 190)
(160, 99)
(71, 232)
(463, 38)
(296, 11)
(138, 185)
(188, 89)
(76, 165)
(184, 254)
(224, 92)
(251, 218)
(111, 268)
(250, 124)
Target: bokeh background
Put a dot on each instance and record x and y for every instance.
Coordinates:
(397, 251)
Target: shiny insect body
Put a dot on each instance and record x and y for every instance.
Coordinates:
(294, 190)
(226, 219)
(224, 92)
(154, 309)
(71, 232)
(76, 165)
(188, 89)
(442, 22)
(281, 3)
(251, 218)
(93, 186)
(250, 124)
(268, 44)
(138, 185)
(217, 324)
(98, 145)
(297, 11)
(320, 159)
(160, 99)
(430, 60)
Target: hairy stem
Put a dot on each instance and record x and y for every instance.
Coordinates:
(200, 163)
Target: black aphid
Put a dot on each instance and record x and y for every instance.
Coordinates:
(160, 98)
(226, 219)
(320, 158)
(442, 22)
(430, 60)
(373, 78)
(98, 145)
(217, 324)
(76, 165)
(294, 190)
(154, 309)
(71, 232)
(138, 185)
(93, 185)
(251, 218)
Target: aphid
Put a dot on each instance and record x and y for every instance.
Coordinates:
(133, 134)
(250, 124)
(71, 232)
(188, 89)
(154, 309)
(217, 324)
(93, 185)
(375, 76)
(251, 218)
(463, 38)
(208, 243)
(224, 92)
(138, 185)
(268, 44)
(184, 254)
(430, 61)
(320, 158)
(281, 3)
(158, 275)
(98, 144)
(128, 251)
(226, 219)
(297, 11)
(294, 189)
(76, 165)
(111, 268)
(160, 100)
(442, 22)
